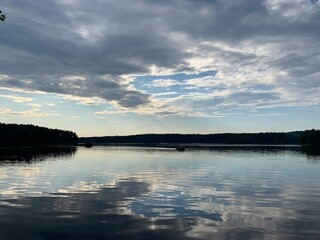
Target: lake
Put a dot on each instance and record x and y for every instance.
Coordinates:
(159, 193)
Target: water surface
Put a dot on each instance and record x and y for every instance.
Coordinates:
(152, 193)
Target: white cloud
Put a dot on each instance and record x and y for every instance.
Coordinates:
(89, 52)
(165, 94)
(83, 100)
(3, 77)
(36, 105)
(207, 81)
(298, 10)
(164, 83)
(108, 112)
(50, 104)
(17, 99)
(30, 113)
(73, 78)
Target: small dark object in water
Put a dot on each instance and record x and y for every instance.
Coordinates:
(88, 145)
(181, 149)
(2, 16)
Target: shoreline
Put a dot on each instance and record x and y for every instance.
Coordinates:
(32, 147)
(191, 145)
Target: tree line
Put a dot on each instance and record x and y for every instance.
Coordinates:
(311, 137)
(25, 135)
(22, 134)
(222, 138)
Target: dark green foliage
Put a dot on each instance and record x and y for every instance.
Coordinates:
(19, 134)
(311, 137)
(223, 138)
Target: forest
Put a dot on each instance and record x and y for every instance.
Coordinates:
(31, 135)
(311, 137)
(222, 138)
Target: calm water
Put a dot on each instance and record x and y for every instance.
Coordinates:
(145, 193)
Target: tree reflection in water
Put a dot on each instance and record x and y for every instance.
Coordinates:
(233, 193)
(34, 154)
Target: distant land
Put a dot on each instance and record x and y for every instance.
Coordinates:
(12, 135)
(308, 137)
(31, 135)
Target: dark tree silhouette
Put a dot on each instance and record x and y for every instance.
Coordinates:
(23, 135)
(2, 16)
(311, 137)
(222, 138)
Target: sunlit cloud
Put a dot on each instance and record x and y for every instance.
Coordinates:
(35, 105)
(201, 58)
(108, 112)
(83, 100)
(17, 99)
(30, 113)
(73, 78)
(50, 104)
(4, 110)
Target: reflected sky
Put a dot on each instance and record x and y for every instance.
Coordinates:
(122, 192)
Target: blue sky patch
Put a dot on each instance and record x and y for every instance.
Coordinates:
(148, 83)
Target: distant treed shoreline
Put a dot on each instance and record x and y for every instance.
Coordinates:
(30, 135)
(308, 137)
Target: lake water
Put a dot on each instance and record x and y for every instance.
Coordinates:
(150, 193)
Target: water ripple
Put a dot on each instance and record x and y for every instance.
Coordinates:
(128, 192)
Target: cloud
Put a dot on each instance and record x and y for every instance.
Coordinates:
(98, 89)
(50, 104)
(35, 105)
(17, 99)
(108, 112)
(73, 78)
(29, 113)
(3, 77)
(253, 97)
(33, 113)
(207, 81)
(164, 83)
(4, 110)
(81, 100)
(92, 50)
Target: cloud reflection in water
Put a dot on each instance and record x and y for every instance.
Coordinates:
(124, 193)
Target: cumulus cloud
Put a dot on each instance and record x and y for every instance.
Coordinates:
(264, 52)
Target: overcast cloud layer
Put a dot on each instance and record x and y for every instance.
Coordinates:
(254, 54)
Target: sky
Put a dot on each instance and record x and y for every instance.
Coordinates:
(105, 67)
